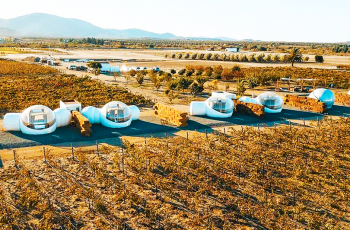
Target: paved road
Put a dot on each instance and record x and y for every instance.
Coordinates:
(150, 124)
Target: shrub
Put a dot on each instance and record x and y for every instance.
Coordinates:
(179, 55)
(139, 78)
(240, 88)
(319, 59)
(208, 56)
(208, 71)
(182, 71)
(227, 74)
(196, 88)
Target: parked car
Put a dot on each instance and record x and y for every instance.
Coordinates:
(72, 67)
(81, 68)
(155, 69)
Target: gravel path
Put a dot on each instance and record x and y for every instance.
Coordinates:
(149, 124)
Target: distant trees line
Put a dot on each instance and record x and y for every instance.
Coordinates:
(255, 57)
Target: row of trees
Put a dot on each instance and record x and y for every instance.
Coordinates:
(294, 56)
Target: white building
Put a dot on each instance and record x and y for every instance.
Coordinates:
(107, 68)
(232, 50)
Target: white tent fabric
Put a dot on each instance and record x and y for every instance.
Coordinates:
(114, 114)
(35, 120)
(271, 101)
(218, 106)
(324, 95)
(248, 100)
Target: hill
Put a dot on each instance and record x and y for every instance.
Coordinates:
(46, 25)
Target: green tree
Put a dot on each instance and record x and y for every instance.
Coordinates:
(208, 71)
(319, 59)
(157, 83)
(240, 88)
(139, 78)
(227, 74)
(276, 58)
(295, 55)
(97, 71)
(127, 77)
(132, 72)
(223, 57)
(182, 72)
(183, 83)
(196, 88)
(95, 65)
(217, 71)
(268, 58)
(179, 55)
(253, 82)
(207, 56)
(215, 57)
(201, 80)
(152, 76)
(194, 56)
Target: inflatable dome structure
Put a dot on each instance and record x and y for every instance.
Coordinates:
(114, 114)
(219, 106)
(271, 101)
(37, 120)
(223, 94)
(324, 95)
(248, 100)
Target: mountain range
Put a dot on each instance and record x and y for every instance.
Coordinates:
(47, 25)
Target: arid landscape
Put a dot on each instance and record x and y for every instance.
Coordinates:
(105, 126)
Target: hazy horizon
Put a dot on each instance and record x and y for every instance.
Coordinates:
(269, 20)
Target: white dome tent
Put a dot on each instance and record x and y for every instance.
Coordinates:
(114, 114)
(271, 101)
(223, 94)
(218, 106)
(37, 120)
(324, 95)
(248, 100)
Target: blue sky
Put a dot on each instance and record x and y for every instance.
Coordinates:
(269, 20)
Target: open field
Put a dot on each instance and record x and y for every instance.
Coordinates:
(156, 58)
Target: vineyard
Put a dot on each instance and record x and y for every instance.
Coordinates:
(19, 68)
(280, 178)
(18, 93)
